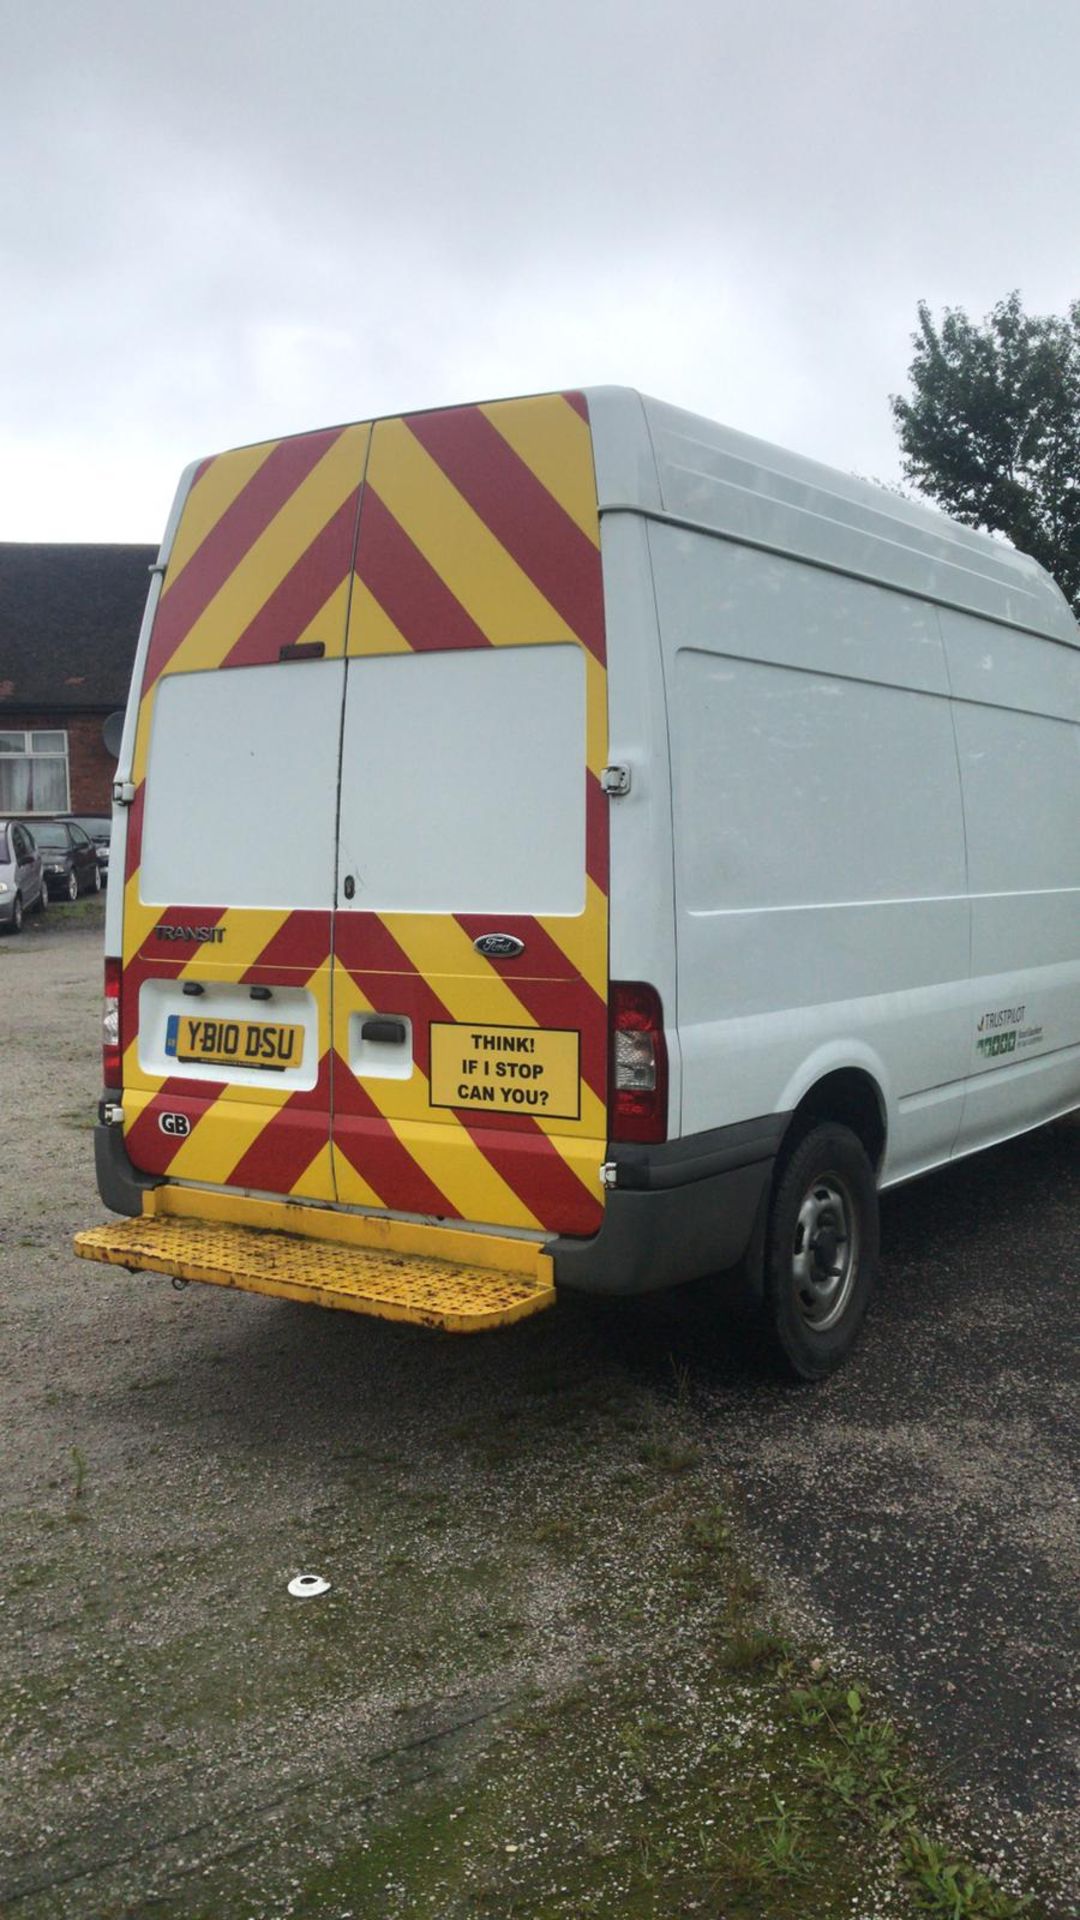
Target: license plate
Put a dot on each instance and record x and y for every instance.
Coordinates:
(264, 1044)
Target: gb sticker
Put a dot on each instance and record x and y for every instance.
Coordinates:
(177, 1124)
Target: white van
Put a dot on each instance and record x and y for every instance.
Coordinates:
(571, 845)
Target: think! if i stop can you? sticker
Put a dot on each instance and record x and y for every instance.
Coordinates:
(533, 1070)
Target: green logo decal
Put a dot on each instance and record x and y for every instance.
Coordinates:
(995, 1043)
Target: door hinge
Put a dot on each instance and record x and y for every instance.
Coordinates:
(123, 792)
(609, 1173)
(615, 781)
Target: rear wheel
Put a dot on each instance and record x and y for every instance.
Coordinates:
(72, 885)
(97, 878)
(43, 897)
(821, 1250)
(17, 914)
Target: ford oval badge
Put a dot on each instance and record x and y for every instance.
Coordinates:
(499, 946)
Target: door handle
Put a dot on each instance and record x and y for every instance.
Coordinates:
(392, 1031)
(350, 886)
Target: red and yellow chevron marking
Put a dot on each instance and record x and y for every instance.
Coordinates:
(262, 559)
(267, 558)
(472, 528)
(261, 1136)
(519, 1165)
(479, 528)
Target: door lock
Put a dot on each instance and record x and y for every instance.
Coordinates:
(350, 886)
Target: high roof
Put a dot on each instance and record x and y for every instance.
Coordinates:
(665, 462)
(69, 622)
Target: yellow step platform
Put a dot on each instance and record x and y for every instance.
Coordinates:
(393, 1283)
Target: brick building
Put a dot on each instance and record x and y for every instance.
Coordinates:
(69, 623)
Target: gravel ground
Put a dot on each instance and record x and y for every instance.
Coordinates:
(921, 1510)
(168, 1460)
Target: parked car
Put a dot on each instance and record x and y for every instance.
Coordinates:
(99, 827)
(71, 865)
(22, 875)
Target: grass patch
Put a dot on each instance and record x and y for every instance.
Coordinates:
(698, 1763)
(587, 1708)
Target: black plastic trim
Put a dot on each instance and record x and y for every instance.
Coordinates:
(677, 1212)
(652, 1240)
(699, 1156)
(121, 1187)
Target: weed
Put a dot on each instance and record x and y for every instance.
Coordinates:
(781, 1841)
(817, 1703)
(746, 1873)
(637, 1740)
(756, 1650)
(862, 1769)
(682, 1379)
(945, 1886)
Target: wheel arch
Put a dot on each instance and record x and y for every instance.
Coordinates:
(851, 1096)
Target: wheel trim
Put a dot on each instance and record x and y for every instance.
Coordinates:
(825, 1255)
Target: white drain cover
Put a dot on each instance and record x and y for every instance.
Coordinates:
(306, 1586)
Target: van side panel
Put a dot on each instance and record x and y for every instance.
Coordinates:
(261, 560)
(715, 477)
(1017, 710)
(822, 912)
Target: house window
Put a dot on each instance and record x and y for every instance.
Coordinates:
(34, 772)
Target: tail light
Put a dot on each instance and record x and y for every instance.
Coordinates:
(111, 1050)
(639, 1068)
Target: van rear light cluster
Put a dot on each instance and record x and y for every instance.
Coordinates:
(639, 1067)
(111, 1050)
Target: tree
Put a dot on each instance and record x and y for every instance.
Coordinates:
(992, 429)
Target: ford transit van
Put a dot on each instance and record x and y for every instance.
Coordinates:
(563, 844)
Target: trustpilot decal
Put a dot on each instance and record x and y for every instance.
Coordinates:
(1001, 1030)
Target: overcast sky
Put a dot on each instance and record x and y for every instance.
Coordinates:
(224, 220)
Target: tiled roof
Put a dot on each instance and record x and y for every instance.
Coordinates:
(69, 623)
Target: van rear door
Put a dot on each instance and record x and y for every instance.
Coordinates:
(229, 884)
(470, 968)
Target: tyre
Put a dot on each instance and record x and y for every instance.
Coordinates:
(72, 887)
(42, 899)
(17, 914)
(97, 878)
(821, 1251)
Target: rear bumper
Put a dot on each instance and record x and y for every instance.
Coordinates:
(392, 1269)
(677, 1212)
